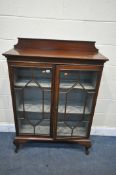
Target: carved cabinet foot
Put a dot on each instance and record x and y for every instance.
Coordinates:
(17, 146)
(86, 150)
(87, 144)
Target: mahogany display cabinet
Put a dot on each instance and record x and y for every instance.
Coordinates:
(54, 87)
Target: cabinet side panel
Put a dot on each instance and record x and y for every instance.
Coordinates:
(95, 100)
(10, 69)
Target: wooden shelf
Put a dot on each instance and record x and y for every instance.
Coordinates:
(66, 131)
(67, 85)
(35, 107)
(73, 110)
(47, 84)
(43, 128)
(23, 82)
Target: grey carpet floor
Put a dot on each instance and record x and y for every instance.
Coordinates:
(58, 159)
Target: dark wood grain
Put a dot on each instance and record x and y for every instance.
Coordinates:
(56, 49)
(50, 44)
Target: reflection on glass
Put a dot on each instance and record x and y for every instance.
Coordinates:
(77, 89)
(33, 99)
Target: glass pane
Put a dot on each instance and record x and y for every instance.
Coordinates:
(77, 89)
(41, 75)
(84, 79)
(33, 99)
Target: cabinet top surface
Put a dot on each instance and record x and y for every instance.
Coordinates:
(55, 49)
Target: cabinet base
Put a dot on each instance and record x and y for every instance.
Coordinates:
(19, 140)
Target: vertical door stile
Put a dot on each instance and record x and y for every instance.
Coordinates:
(52, 118)
(11, 78)
(55, 99)
(99, 76)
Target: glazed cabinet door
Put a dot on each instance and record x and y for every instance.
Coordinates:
(77, 89)
(31, 86)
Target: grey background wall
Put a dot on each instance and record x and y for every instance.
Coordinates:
(62, 19)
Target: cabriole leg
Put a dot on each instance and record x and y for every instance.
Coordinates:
(17, 146)
(87, 150)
